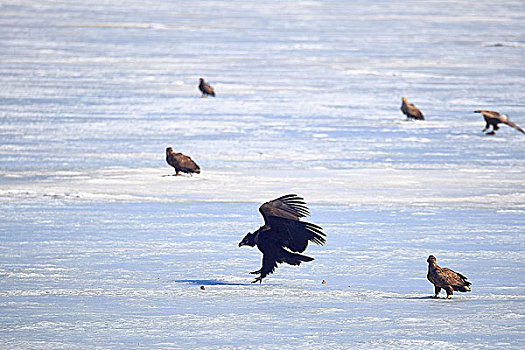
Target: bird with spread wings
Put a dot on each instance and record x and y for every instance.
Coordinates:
(494, 118)
(283, 235)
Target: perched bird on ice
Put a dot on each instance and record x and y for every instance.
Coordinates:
(494, 118)
(181, 162)
(282, 234)
(410, 110)
(205, 88)
(441, 277)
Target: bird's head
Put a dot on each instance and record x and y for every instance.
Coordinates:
(169, 150)
(201, 80)
(403, 98)
(431, 259)
(249, 240)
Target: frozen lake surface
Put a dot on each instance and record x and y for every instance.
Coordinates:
(102, 249)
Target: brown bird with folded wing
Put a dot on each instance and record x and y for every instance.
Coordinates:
(181, 162)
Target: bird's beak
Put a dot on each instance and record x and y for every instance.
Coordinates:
(240, 244)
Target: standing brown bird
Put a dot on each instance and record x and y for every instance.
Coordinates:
(410, 110)
(494, 118)
(282, 234)
(206, 89)
(441, 277)
(181, 163)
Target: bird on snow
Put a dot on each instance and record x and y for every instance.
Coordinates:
(494, 118)
(181, 162)
(411, 111)
(283, 236)
(441, 277)
(205, 88)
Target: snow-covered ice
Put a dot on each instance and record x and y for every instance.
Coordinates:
(101, 248)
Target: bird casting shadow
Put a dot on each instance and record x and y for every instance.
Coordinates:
(211, 283)
(428, 297)
(419, 298)
(409, 298)
(172, 175)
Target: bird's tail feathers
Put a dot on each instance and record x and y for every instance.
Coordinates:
(294, 258)
(465, 288)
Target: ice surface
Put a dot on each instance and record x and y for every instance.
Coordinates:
(102, 248)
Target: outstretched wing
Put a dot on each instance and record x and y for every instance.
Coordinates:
(289, 206)
(282, 216)
(511, 124)
(488, 114)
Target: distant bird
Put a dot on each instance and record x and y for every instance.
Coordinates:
(494, 118)
(181, 163)
(410, 110)
(441, 277)
(282, 234)
(205, 88)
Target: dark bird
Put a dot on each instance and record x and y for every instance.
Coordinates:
(410, 110)
(283, 234)
(205, 88)
(494, 118)
(441, 277)
(181, 163)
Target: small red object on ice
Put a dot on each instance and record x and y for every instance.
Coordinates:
(202, 287)
(324, 282)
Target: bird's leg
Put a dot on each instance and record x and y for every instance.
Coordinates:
(486, 127)
(258, 279)
(436, 290)
(450, 291)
